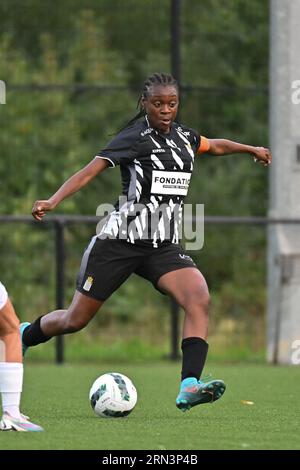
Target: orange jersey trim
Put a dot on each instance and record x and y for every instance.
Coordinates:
(204, 145)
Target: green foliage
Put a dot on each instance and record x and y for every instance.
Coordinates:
(48, 136)
(50, 130)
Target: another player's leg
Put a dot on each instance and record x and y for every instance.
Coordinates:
(60, 322)
(189, 289)
(11, 369)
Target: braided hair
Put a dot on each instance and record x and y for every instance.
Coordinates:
(163, 79)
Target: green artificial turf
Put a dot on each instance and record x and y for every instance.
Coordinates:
(56, 397)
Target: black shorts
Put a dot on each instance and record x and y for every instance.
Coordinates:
(107, 263)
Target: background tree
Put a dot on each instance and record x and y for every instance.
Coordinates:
(49, 132)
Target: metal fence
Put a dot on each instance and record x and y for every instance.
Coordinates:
(174, 48)
(59, 224)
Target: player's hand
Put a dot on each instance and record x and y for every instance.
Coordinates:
(262, 155)
(40, 208)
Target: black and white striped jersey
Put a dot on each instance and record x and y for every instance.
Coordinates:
(156, 171)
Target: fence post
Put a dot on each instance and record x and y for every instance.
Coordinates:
(175, 39)
(60, 283)
(176, 72)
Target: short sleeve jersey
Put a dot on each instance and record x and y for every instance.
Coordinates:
(156, 170)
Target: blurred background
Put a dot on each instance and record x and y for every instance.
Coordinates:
(74, 70)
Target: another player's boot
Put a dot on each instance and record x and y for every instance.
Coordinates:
(193, 392)
(23, 327)
(8, 423)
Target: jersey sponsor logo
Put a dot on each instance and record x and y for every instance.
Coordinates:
(158, 151)
(147, 131)
(186, 133)
(170, 182)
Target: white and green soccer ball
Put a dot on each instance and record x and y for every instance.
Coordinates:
(113, 395)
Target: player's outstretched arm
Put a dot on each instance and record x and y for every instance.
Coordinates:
(71, 186)
(226, 147)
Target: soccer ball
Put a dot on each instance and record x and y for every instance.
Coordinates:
(113, 395)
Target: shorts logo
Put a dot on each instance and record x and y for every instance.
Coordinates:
(185, 257)
(88, 283)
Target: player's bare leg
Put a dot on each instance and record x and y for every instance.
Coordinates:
(9, 334)
(59, 322)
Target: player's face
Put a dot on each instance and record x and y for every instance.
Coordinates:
(161, 107)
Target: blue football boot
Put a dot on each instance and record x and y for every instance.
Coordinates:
(193, 392)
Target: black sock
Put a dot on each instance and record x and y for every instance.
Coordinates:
(194, 352)
(33, 334)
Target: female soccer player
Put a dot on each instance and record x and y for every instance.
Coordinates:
(156, 157)
(11, 369)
